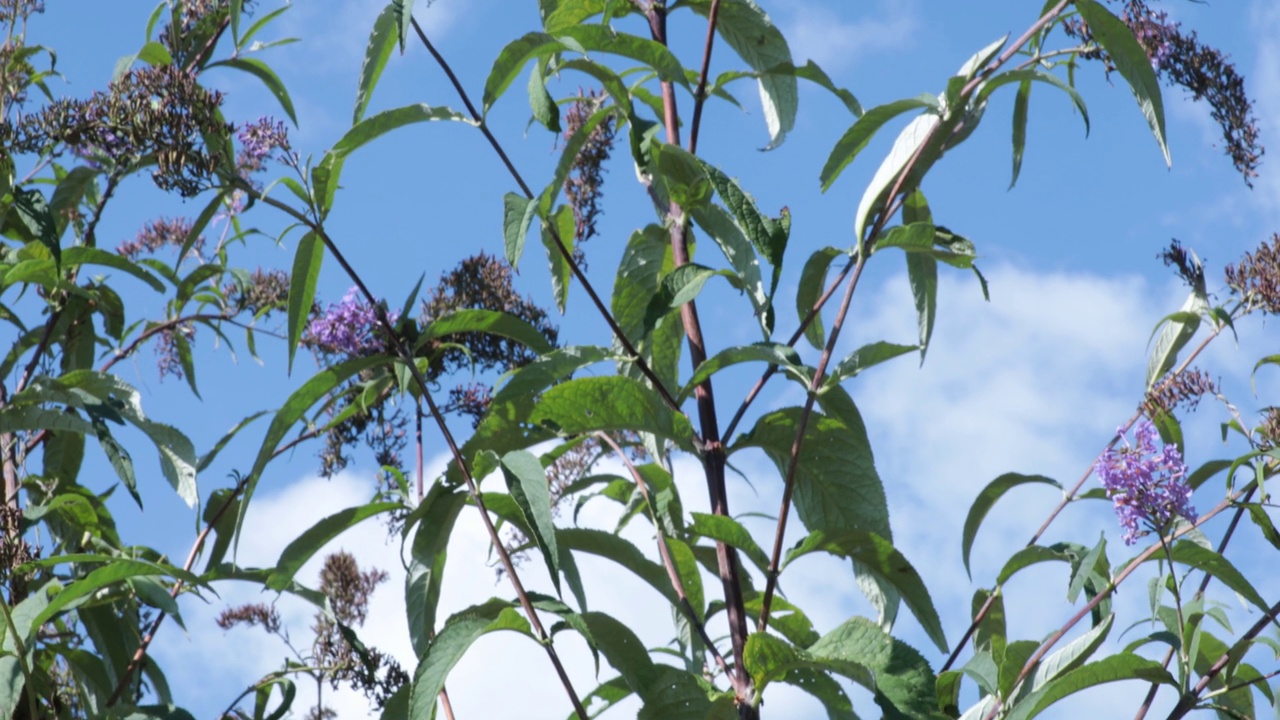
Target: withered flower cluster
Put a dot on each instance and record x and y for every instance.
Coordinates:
(158, 234)
(158, 113)
(348, 589)
(1181, 390)
(1257, 278)
(584, 185)
(1206, 72)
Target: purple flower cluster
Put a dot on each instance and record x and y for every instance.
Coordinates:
(1145, 482)
(1154, 32)
(257, 141)
(348, 328)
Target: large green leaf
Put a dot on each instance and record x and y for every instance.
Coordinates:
(837, 487)
(527, 483)
(723, 528)
(264, 73)
(878, 555)
(1201, 558)
(865, 357)
(293, 410)
(589, 404)
(778, 354)
(517, 215)
(621, 551)
(306, 545)
(813, 280)
(742, 257)
(458, 634)
(904, 684)
(1178, 329)
(302, 288)
(558, 232)
(860, 133)
(1123, 666)
(986, 500)
(746, 28)
(432, 524)
(382, 40)
(580, 38)
(85, 255)
(490, 322)
(1132, 63)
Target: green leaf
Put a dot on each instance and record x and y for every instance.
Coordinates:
(293, 410)
(742, 257)
(527, 483)
(118, 456)
(836, 484)
(879, 555)
(302, 288)
(458, 634)
(116, 571)
(986, 500)
(32, 211)
(432, 523)
(1123, 666)
(773, 353)
(306, 545)
(1072, 655)
(403, 10)
(1021, 103)
(1118, 40)
(68, 195)
(621, 551)
(679, 286)
(558, 233)
(1028, 556)
(813, 280)
(722, 528)
(904, 684)
(1178, 330)
(490, 322)
(263, 72)
(681, 175)
(375, 126)
(382, 39)
(517, 215)
(746, 28)
(866, 357)
(860, 133)
(544, 107)
(579, 38)
(589, 404)
(1206, 560)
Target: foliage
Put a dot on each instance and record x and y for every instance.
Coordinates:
(571, 423)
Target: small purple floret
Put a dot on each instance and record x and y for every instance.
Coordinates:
(1146, 483)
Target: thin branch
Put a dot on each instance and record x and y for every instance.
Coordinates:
(405, 354)
(793, 463)
(1068, 497)
(1111, 587)
(700, 95)
(713, 455)
(614, 327)
(672, 574)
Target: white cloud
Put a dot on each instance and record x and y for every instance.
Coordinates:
(818, 32)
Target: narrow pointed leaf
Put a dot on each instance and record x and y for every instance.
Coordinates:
(986, 500)
(382, 39)
(310, 542)
(302, 288)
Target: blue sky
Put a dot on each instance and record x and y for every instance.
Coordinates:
(1033, 381)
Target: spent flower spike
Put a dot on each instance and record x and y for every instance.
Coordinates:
(1146, 482)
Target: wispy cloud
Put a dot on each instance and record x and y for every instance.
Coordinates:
(828, 36)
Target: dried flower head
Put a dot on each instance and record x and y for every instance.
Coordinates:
(1269, 428)
(1206, 72)
(261, 294)
(1182, 389)
(253, 614)
(1189, 267)
(584, 185)
(169, 349)
(158, 234)
(1145, 482)
(153, 113)
(1257, 278)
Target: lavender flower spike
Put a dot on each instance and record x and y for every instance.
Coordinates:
(347, 328)
(1146, 483)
